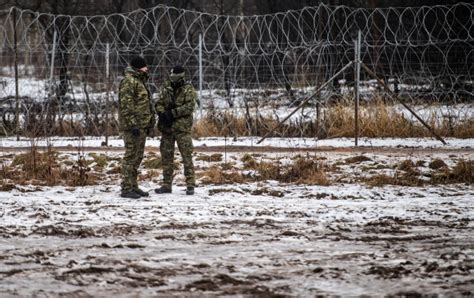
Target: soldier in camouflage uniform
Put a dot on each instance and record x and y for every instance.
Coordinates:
(136, 119)
(175, 107)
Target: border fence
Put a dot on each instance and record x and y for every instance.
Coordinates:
(59, 74)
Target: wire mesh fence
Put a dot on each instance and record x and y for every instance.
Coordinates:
(255, 69)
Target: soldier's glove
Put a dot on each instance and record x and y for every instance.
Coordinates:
(166, 117)
(135, 131)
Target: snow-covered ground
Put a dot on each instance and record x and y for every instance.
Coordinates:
(259, 237)
(452, 143)
(338, 240)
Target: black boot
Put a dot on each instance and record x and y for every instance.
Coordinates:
(130, 194)
(163, 189)
(141, 192)
(190, 190)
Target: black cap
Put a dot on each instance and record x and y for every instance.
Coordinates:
(177, 69)
(138, 62)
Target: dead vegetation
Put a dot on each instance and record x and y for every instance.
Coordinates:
(46, 168)
(401, 179)
(37, 165)
(437, 164)
(101, 160)
(218, 190)
(152, 162)
(407, 166)
(462, 172)
(215, 157)
(377, 119)
(306, 171)
(216, 174)
(407, 173)
(299, 171)
(357, 159)
(50, 168)
(248, 161)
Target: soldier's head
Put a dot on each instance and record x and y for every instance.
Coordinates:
(139, 64)
(177, 76)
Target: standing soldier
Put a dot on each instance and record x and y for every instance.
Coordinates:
(136, 119)
(175, 109)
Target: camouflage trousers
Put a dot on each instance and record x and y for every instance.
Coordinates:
(134, 148)
(185, 146)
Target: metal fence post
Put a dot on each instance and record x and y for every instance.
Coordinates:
(107, 80)
(17, 91)
(53, 53)
(200, 75)
(357, 44)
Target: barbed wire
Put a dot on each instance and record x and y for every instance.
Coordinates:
(422, 52)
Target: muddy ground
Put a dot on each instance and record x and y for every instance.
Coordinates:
(259, 238)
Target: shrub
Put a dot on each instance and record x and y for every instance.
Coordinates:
(152, 163)
(357, 159)
(462, 172)
(437, 164)
(307, 171)
(217, 175)
(215, 157)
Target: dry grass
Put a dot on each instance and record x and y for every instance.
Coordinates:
(464, 129)
(302, 170)
(216, 157)
(50, 168)
(38, 166)
(9, 174)
(437, 164)
(401, 179)
(269, 171)
(380, 180)
(312, 171)
(152, 162)
(80, 174)
(45, 168)
(462, 172)
(220, 124)
(217, 175)
(420, 163)
(357, 159)
(306, 171)
(149, 175)
(407, 166)
(7, 186)
(101, 160)
(406, 174)
(377, 119)
(248, 161)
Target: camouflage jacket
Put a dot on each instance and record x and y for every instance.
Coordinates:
(135, 107)
(181, 104)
